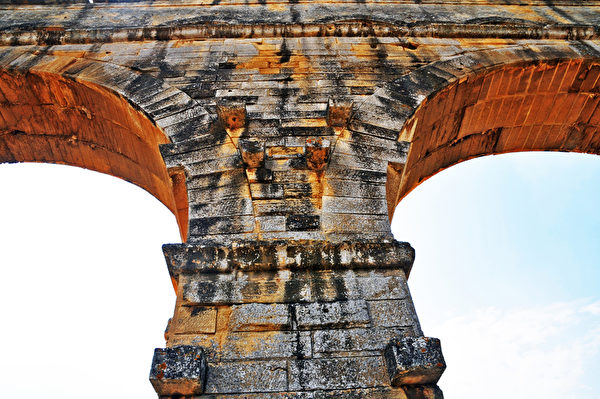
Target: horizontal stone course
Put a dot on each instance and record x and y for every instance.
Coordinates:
(294, 255)
(294, 287)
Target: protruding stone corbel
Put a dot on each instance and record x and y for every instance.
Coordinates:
(414, 361)
(253, 153)
(233, 117)
(317, 153)
(179, 370)
(338, 113)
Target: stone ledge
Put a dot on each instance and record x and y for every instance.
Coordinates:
(292, 255)
(178, 371)
(414, 361)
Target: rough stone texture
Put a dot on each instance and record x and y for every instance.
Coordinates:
(246, 377)
(335, 314)
(414, 361)
(259, 317)
(282, 135)
(178, 371)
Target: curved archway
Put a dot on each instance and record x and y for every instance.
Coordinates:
(46, 117)
(483, 103)
(547, 106)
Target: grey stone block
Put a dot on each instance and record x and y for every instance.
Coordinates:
(356, 339)
(394, 313)
(267, 345)
(259, 317)
(178, 371)
(338, 373)
(335, 314)
(247, 377)
(414, 361)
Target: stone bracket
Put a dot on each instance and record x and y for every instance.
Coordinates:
(414, 361)
(180, 370)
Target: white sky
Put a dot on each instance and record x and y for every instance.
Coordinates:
(506, 274)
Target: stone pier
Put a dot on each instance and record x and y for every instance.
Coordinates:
(282, 135)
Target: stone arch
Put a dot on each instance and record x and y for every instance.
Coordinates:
(66, 109)
(522, 98)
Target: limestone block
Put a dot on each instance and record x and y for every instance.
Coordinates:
(246, 377)
(259, 317)
(253, 153)
(335, 314)
(393, 313)
(414, 361)
(356, 339)
(267, 345)
(194, 319)
(178, 371)
(338, 373)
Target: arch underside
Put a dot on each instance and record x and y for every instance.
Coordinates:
(45, 117)
(539, 106)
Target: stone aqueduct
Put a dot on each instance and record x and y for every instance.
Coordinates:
(282, 134)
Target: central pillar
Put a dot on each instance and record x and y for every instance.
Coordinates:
(291, 284)
(304, 318)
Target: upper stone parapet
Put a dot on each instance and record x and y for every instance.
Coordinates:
(84, 22)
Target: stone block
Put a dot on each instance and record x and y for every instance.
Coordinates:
(338, 373)
(356, 339)
(246, 377)
(271, 223)
(266, 345)
(259, 317)
(267, 287)
(253, 153)
(414, 361)
(194, 319)
(178, 371)
(335, 314)
(393, 313)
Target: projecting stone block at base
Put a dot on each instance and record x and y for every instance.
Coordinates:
(178, 371)
(414, 361)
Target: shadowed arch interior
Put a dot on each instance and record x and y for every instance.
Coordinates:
(46, 117)
(544, 106)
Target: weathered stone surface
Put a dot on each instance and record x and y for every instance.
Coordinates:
(194, 319)
(178, 371)
(267, 345)
(246, 377)
(414, 361)
(393, 313)
(260, 317)
(283, 135)
(295, 255)
(356, 339)
(334, 314)
(296, 286)
(338, 373)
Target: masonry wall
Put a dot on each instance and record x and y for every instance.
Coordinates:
(282, 135)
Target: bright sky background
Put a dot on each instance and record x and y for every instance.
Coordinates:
(507, 274)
